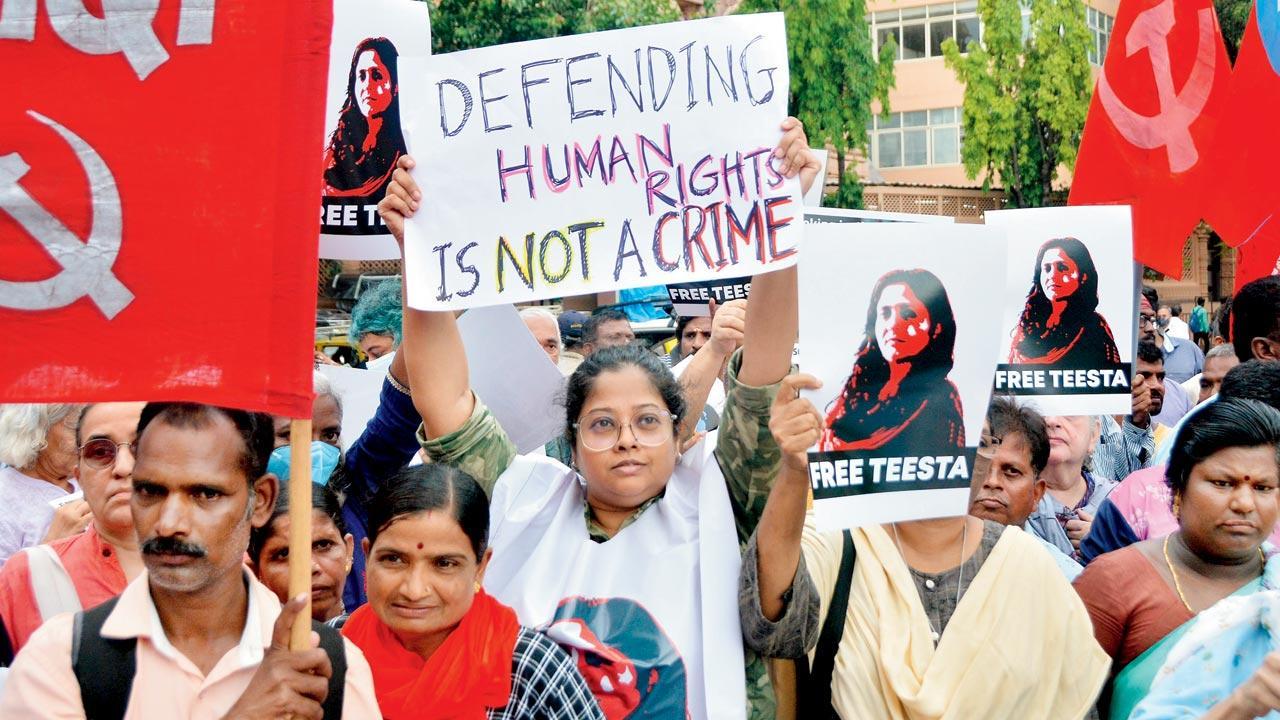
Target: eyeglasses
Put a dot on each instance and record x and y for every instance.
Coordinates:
(1144, 320)
(649, 428)
(101, 453)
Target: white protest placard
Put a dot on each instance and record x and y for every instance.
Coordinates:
(510, 373)
(1067, 338)
(596, 162)
(691, 299)
(815, 215)
(362, 138)
(813, 198)
(66, 499)
(896, 321)
(513, 375)
(360, 391)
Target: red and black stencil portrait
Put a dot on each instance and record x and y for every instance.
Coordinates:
(366, 143)
(1060, 324)
(898, 399)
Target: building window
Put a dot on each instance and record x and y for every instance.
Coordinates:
(919, 32)
(945, 135)
(1100, 25)
(917, 138)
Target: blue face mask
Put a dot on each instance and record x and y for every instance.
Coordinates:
(324, 460)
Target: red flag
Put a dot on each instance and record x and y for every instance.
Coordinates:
(1245, 198)
(1257, 258)
(1146, 139)
(157, 202)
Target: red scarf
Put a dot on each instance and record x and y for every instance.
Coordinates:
(468, 673)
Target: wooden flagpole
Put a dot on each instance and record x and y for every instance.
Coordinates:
(300, 527)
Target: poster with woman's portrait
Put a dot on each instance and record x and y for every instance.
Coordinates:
(896, 321)
(362, 140)
(1067, 340)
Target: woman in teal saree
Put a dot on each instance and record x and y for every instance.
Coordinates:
(1224, 476)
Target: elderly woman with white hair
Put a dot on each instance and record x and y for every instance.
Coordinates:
(38, 452)
(1073, 493)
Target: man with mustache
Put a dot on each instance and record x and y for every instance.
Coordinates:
(1007, 486)
(93, 566)
(1149, 373)
(196, 635)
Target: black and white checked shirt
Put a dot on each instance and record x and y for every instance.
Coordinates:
(545, 684)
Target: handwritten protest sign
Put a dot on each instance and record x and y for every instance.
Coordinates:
(600, 161)
(896, 321)
(691, 299)
(1067, 337)
(362, 137)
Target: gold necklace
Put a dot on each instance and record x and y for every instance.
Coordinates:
(1177, 584)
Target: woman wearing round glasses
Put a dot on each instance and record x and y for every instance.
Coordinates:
(630, 558)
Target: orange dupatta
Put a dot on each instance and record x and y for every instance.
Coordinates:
(468, 673)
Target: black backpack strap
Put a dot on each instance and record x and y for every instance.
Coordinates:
(331, 642)
(813, 682)
(104, 667)
(6, 646)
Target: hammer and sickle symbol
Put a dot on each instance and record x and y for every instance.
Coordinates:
(86, 266)
(1178, 109)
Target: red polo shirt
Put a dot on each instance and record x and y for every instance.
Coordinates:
(94, 569)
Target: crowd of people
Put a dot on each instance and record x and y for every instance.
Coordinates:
(660, 558)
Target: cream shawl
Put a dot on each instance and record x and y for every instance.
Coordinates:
(1019, 646)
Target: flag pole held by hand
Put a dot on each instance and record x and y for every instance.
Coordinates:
(300, 528)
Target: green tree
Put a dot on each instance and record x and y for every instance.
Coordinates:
(465, 24)
(1232, 16)
(616, 14)
(1026, 95)
(834, 78)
